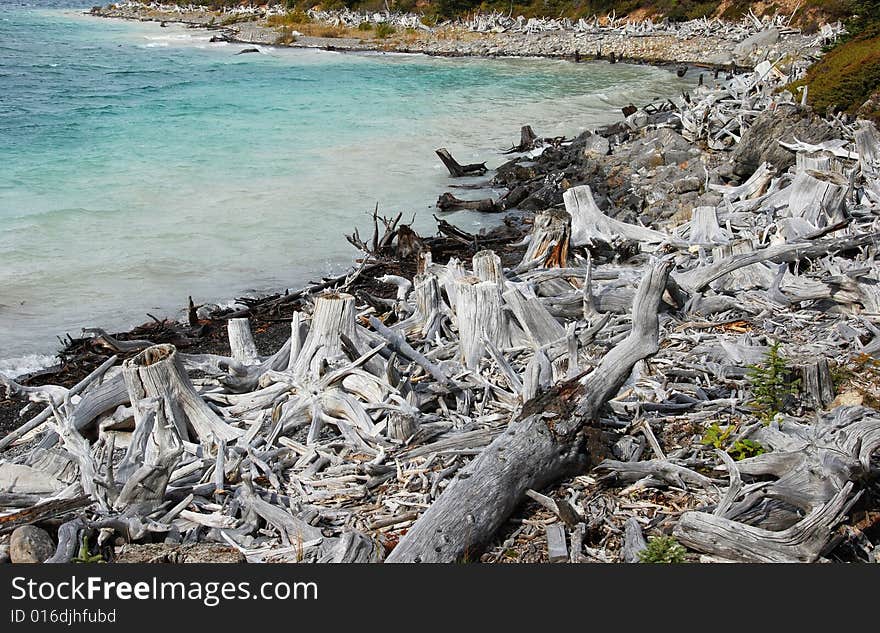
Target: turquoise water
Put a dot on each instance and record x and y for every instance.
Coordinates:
(140, 164)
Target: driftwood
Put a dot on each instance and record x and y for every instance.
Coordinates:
(448, 202)
(457, 170)
(534, 451)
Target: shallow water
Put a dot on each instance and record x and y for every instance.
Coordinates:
(140, 164)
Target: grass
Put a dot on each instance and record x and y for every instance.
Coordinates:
(847, 76)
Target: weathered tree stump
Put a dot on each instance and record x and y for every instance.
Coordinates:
(333, 318)
(157, 372)
(479, 315)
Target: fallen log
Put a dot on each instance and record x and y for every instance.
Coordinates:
(457, 170)
(545, 442)
(448, 202)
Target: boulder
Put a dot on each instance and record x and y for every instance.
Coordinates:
(4, 554)
(760, 143)
(871, 108)
(687, 184)
(30, 544)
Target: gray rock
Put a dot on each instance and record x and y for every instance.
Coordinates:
(684, 185)
(4, 554)
(760, 143)
(30, 544)
(676, 156)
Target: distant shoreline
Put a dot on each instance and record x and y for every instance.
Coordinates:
(661, 49)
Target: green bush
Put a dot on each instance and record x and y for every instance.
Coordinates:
(662, 549)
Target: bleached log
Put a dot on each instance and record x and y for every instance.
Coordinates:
(803, 542)
(81, 386)
(755, 186)
(144, 489)
(817, 383)
(401, 426)
(633, 541)
(333, 318)
(399, 344)
(297, 335)
(241, 341)
(815, 161)
(158, 372)
(487, 267)
(479, 315)
(589, 224)
(538, 324)
(292, 529)
(868, 146)
(545, 442)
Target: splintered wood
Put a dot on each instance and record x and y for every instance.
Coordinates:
(570, 406)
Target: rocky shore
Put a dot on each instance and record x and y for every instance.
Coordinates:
(652, 359)
(724, 45)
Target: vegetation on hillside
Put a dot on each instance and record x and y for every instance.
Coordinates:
(849, 74)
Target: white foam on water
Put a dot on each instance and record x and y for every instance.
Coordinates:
(20, 365)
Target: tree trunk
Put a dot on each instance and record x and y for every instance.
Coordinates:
(241, 341)
(589, 224)
(479, 315)
(818, 197)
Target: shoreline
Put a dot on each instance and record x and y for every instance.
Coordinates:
(713, 52)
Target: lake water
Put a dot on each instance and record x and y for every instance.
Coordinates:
(140, 165)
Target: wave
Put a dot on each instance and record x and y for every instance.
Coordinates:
(20, 365)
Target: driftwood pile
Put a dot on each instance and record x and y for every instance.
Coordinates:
(411, 429)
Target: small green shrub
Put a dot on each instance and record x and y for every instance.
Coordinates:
(772, 383)
(384, 30)
(743, 449)
(716, 437)
(365, 26)
(662, 549)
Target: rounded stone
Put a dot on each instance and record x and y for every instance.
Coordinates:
(30, 544)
